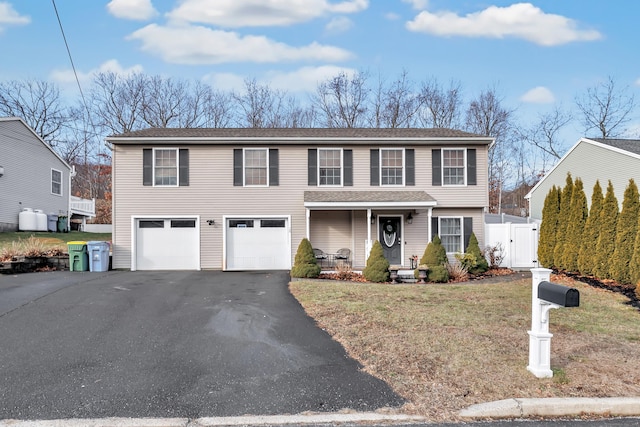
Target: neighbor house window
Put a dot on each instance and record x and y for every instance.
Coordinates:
(165, 166)
(453, 167)
(56, 182)
(391, 166)
(256, 166)
(330, 166)
(451, 234)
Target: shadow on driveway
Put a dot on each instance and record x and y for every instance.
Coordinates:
(169, 344)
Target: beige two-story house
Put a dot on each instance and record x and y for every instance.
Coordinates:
(243, 199)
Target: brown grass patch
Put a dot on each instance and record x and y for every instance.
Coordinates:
(445, 347)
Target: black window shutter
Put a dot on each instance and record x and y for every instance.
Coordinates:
(183, 173)
(410, 158)
(436, 167)
(471, 167)
(237, 167)
(313, 166)
(375, 167)
(274, 174)
(147, 166)
(348, 168)
(434, 226)
(468, 229)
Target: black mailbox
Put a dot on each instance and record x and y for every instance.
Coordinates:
(563, 296)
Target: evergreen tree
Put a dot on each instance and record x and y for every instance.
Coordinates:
(548, 228)
(626, 231)
(434, 254)
(377, 269)
(575, 228)
(480, 263)
(587, 254)
(634, 266)
(305, 264)
(563, 222)
(607, 237)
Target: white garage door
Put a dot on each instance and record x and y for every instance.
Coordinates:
(258, 244)
(167, 244)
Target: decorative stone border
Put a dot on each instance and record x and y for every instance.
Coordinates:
(29, 264)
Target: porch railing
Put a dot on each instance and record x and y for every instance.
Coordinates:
(84, 207)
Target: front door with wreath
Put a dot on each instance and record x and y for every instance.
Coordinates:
(390, 239)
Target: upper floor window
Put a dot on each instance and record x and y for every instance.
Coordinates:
(56, 182)
(330, 166)
(453, 167)
(165, 167)
(256, 167)
(451, 234)
(391, 166)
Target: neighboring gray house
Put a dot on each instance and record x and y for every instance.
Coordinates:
(243, 199)
(591, 159)
(32, 175)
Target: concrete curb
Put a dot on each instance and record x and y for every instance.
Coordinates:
(315, 418)
(554, 407)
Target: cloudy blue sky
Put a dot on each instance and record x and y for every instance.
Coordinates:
(537, 53)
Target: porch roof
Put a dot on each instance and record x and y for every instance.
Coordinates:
(368, 199)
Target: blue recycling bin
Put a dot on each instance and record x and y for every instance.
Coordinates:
(98, 255)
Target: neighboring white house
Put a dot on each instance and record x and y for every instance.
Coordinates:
(591, 159)
(33, 175)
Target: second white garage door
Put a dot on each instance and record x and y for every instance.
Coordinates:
(167, 244)
(258, 244)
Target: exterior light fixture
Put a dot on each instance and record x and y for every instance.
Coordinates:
(1, 171)
(373, 219)
(409, 218)
(211, 221)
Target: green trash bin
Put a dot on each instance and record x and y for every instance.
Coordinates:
(78, 256)
(98, 255)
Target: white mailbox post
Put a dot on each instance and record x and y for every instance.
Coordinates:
(553, 296)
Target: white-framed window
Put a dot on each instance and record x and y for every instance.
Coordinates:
(56, 182)
(450, 230)
(453, 166)
(392, 166)
(330, 167)
(165, 167)
(256, 167)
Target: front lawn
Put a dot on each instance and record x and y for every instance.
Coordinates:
(446, 347)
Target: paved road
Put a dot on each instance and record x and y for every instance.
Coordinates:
(169, 344)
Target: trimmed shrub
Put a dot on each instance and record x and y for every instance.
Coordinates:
(607, 237)
(563, 222)
(479, 264)
(435, 253)
(305, 264)
(549, 227)
(575, 228)
(587, 253)
(626, 230)
(377, 269)
(438, 274)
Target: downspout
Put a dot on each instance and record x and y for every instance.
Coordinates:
(72, 174)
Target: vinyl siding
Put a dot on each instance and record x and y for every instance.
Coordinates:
(588, 162)
(211, 195)
(26, 183)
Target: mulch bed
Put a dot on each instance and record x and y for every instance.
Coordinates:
(628, 291)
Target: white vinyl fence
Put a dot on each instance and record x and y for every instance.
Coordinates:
(519, 242)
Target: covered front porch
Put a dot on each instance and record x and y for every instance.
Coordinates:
(348, 222)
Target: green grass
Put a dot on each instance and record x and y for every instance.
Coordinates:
(51, 240)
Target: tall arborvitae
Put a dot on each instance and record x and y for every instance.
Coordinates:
(563, 222)
(587, 254)
(575, 228)
(634, 266)
(607, 237)
(547, 239)
(626, 230)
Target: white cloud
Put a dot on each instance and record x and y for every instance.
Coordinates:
(200, 45)
(226, 82)
(538, 95)
(66, 78)
(392, 16)
(638, 82)
(9, 16)
(339, 24)
(255, 13)
(521, 20)
(137, 10)
(418, 4)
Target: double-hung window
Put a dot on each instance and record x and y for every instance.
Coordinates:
(256, 167)
(453, 167)
(165, 167)
(391, 166)
(56, 182)
(451, 234)
(330, 166)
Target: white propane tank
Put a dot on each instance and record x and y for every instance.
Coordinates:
(41, 220)
(27, 220)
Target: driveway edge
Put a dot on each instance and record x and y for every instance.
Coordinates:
(554, 407)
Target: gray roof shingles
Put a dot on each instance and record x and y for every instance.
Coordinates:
(630, 145)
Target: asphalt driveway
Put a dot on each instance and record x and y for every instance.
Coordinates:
(169, 344)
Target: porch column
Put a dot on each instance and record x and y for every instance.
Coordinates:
(429, 216)
(308, 216)
(368, 225)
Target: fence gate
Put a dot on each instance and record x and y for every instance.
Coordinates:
(519, 243)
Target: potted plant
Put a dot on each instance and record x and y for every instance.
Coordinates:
(422, 272)
(393, 273)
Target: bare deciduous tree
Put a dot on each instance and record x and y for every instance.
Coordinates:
(260, 105)
(117, 101)
(440, 107)
(606, 108)
(343, 100)
(397, 105)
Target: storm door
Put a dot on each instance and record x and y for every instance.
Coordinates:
(390, 238)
